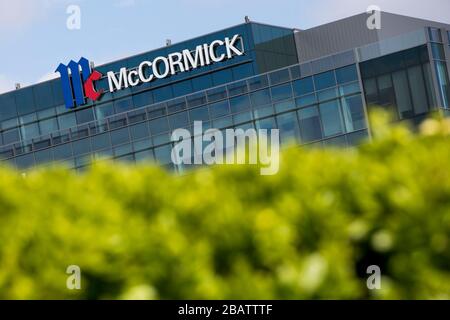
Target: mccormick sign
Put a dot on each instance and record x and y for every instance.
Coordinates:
(77, 86)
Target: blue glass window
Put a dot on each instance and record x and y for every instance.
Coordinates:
(435, 34)
(104, 110)
(196, 99)
(30, 131)
(25, 161)
(143, 99)
(119, 136)
(163, 154)
(8, 108)
(303, 86)
(123, 105)
(67, 120)
(100, 142)
(139, 131)
(353, 110)
(243, 71)
(268, 124)
(178, 120)
(219, 109)
(324, 80)
(237, 88)
(162, 94)
(310, 124)
(217, 94)
(281, 92)
(201, 83)
(44, 156)
(10, 136)
(84, 116)
(159, 126)
(260, 98)
(222, 77)
(81, 147)
(346, 74)
(25, 101)
(239, 103)
(288, 125)
(260, 82)
(295, 72)
(279, 76)
(48, 126)
(62, 152)
(182, 88)
(43, 95)
(199, 114)
(331, 118)
(176, 105)
(438, 51)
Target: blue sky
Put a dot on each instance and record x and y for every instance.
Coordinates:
(34, 38)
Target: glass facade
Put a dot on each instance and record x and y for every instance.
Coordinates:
(310, 109)
(440, 64)
(401, 82)
(317, 103)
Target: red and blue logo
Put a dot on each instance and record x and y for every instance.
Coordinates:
(76, 85)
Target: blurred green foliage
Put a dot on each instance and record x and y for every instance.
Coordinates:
(308, 232)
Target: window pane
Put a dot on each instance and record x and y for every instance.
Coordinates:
(139, 131)
(237, 88)
(353, 110)
(404, 104)
(418, 91)
(182, 88)
(279, 76)
(303, 86)
(158, 126)
(217, 94)
(324, 80)
(84, 116)
(119, 136)
(43, 96)
(239, 103)
(8, 108)
(100, 142)
(25, 101)
(81, 147)
(346, 74)
(178, 120)
(67, 121)
(331, 118)
(288, 125)
(163, 154)
(260, 82)
(310, 124)
(11, 136)
(435, 34)
(62, 152)
(143, 99)
(268, 123)
(260, 98)
(442, 75)
(219, 109)
(199, 114)
(281, 92)
(103, 111)
(387, 92)
(30, 131)
(438, 51)
(48, 126)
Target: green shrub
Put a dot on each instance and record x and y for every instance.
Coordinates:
(227, 232)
